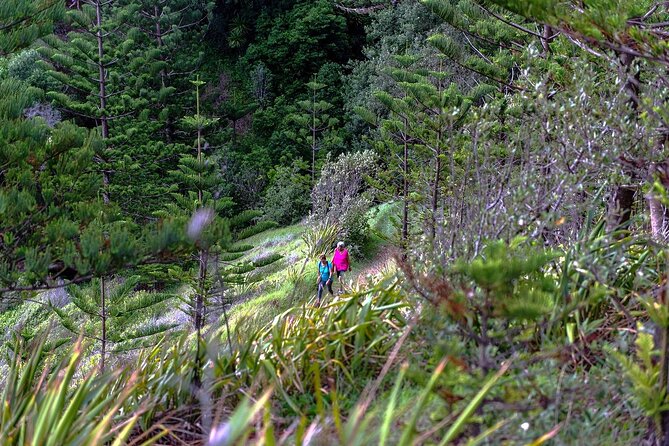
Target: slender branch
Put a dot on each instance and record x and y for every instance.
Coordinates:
(509, 22)
(17, 22)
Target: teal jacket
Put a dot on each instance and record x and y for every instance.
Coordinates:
(324, 270)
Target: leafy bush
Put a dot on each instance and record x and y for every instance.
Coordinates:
(356, 228)
(341, 196)
(257, 229)
(296, 276)
(287, 198)
(319, 238)
(26, 66)
(342, 370)
(513, 280)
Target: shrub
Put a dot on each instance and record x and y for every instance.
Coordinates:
(54, 410)
(319, 238)
(296, 276)
(357, 335)
(257, 229)
(287, 197)
(341, 196)
(357, 229)
(25, 66)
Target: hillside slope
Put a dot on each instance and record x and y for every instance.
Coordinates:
(290, 280)
(284, 282)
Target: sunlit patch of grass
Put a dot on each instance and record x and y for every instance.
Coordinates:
(262, 308)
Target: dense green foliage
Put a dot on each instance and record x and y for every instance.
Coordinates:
(171, 171)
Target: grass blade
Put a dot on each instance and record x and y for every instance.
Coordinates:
(390, 409)
(473, 405)
(409, 430)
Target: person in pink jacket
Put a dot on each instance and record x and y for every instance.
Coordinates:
(342, 264)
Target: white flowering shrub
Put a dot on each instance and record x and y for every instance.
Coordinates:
(341, 196)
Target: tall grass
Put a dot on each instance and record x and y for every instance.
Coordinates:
(301, 378)
(55, 407)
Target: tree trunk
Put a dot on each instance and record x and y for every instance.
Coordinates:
(405, 193)
(169, 128)
(200, 315)
(437, 157)
(202, 255)
(103, 317)
(314, 129)
(435, 195)
(622, 199)
(435, 186)
(620, 207)
(658, 224)
(102, 91)
(658, 172)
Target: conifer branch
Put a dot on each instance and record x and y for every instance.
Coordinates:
(8, 26)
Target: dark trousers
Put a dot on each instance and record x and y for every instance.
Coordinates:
(322, 285)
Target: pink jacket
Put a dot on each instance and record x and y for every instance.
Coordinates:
(340, 260)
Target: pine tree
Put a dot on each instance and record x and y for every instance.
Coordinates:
(234, 109)
(89, 64)
(492, 39)
(22, 22)
(314, 120)
(122, 68)
(53, 224)
(166, 51)
(112, 315)
(427, 116)
(397, 140)
(634, 28)
(198, 178)
(37, 161)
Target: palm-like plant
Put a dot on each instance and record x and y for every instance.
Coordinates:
(58, 408)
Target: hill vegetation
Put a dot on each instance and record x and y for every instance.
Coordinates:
(172, 171)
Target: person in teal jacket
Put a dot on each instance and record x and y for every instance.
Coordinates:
(325, 271)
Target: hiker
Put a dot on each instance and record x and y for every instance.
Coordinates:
(324, 276)
(341, 264)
